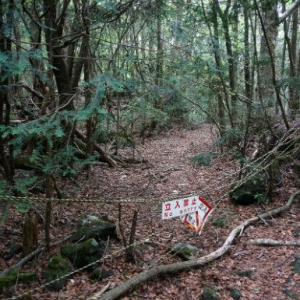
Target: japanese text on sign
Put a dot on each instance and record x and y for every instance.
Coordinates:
(183, 206)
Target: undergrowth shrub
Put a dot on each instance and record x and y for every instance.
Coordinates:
(203, 159)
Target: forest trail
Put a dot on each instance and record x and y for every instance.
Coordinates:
(165, 171)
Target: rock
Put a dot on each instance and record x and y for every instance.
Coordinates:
(57, 267)
(235, 293)
(13, 249)
(84, 253)
(184, 250)
(247, 192)
(209, 293)
(94, 226)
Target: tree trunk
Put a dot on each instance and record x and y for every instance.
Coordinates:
(159, 44)
(292, 47)
(225, 18)
(6, 26)
(269, 34)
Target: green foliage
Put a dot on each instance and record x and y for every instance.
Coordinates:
(231, 137)
(143, 114)
(203, 159)
(261, 198)
(50, 154)
(21, 185)
(219, 222)
(222, 219)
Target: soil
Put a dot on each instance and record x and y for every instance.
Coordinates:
(157, 171)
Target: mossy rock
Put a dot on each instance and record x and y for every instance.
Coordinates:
(184, 250)
(14, 276)
(247, 192)
(235, 293)
(94, 226)
(209, 293)
(85, 253)
(56, 268)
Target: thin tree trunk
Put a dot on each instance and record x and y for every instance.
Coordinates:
(159, 44)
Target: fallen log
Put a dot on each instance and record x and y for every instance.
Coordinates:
(171, 268)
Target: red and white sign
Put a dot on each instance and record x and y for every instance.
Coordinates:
(184, 206)
(193, 211)
(197, 219)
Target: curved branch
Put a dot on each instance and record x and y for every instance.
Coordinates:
(289, 11)
(164, 269)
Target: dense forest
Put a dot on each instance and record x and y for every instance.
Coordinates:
(77, 75)
(83, 80)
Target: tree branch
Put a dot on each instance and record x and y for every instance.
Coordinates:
(289, 11)
(271, 242)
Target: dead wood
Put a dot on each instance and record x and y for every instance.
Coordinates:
(103, 154)
(30, 256)
(271, 242)
(22, 262)
(171, 268)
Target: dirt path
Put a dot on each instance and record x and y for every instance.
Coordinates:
(166, 172)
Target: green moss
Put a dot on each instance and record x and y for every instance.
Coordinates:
(14, 277)
(56, 268)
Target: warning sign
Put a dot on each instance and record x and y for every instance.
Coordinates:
(180, 207)
(197, 219)
(193, 211)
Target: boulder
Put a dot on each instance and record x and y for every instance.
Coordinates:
(235, 293)
(209, 293)
(94, 226)
(56, 268)
(85, 253)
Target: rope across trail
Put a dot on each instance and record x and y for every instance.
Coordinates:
(96, 200)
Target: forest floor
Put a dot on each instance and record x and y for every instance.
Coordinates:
(166, 172)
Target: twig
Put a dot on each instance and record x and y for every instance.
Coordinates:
(96, 296)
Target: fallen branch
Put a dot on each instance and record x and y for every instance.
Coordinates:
(96, 296)
(22, 262)
(171, 268)
(270, 242)
(103, 154)
(27, 258)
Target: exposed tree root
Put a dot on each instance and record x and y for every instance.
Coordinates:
(171, 268)
(271, 242)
